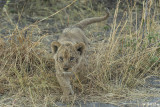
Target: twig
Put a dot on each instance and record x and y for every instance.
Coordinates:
(52, 14)
(144, 20)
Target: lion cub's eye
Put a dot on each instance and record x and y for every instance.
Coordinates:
(61, 59)
(71, 58)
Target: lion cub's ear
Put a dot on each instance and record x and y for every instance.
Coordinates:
(55, 45)
(80, 47)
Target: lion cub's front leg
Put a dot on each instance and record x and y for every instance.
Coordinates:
(65, 84)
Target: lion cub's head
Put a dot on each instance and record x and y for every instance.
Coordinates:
(67, 56)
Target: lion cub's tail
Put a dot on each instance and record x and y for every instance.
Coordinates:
(82, 24)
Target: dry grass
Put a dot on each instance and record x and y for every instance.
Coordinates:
(115, 69)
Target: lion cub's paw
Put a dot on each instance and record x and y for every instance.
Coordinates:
(68, 98)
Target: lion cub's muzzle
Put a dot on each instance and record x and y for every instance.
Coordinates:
(65, 68)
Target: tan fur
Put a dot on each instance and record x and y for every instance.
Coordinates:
(69, 51)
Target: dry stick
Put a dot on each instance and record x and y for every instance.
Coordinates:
(5, 10)
(52, 14)
(79, 81)
(144, 21)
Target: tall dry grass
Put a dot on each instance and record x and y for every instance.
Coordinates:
(115, 68)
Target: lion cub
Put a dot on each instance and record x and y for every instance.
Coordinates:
(68, 52)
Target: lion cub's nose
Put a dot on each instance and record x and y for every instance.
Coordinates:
(65, 69)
